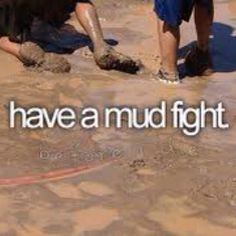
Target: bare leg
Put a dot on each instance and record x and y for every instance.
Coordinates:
(28, 53)
(105, 56)
(31, 54)
(168, 39)
(198, 60)
(10, 47)
(203, 21)
(87, 15)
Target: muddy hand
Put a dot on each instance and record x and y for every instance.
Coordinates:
(110, 59)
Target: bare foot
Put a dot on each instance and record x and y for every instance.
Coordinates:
(110, 59)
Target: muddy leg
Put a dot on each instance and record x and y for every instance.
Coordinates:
(168, 43)
(203, 20)
(27, 53)
(198, 59)
(87, 16)
(105, 56)
(169, 38)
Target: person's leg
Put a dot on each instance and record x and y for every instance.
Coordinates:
(168, 21)
(10, 47)
(105, 56)
(14, 23)
(169, 38)
(28, 53)
(204, 15)
(198, 59)
(87, 15)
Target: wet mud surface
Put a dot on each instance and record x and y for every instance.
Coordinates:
(157, 182)
(35, 58)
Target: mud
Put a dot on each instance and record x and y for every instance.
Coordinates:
(55, 63)
(232, 8)
(112, 60)
(154, 182)
(31, 54)
(35, 58)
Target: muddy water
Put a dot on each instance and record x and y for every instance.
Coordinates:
(161, 183)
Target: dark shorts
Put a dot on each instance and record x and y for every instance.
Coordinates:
(174, 12)
(16, 16)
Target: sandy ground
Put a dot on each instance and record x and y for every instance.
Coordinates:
(142, 182)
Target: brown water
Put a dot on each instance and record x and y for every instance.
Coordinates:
(162, 183)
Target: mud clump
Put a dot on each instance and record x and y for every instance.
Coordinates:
(113, 60)
(55, 63)
(33, 56)
(137, 164)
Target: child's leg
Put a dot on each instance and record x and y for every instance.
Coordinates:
(10, 47)
(203, 20)
(198, 59)
(169, 38)
(169, 18)
(105, 56)
(87, 16)
(30, 54)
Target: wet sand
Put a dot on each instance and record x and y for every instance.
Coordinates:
(151, 182)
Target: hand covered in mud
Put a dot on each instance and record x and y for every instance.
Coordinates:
(110, 59)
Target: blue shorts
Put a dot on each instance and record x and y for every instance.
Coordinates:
(174, 12)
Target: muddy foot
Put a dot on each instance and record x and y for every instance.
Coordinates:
(34, 56)
(113, 60)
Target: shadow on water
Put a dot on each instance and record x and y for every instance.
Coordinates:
(223, 47)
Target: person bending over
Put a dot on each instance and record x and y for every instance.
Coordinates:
(16, 17)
